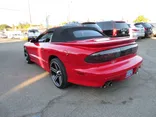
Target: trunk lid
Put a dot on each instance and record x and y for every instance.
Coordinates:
(101, 42)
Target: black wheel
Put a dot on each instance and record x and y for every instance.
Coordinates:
(58, 73)
(27, 57)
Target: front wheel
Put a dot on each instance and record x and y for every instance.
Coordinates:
(58, 73)
(27, 57)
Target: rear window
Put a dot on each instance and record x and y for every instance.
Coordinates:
(82, 34)
(93, 25)
(105, 25)
(33, 31)
(139, 26)
(146, 24)
(120, 25)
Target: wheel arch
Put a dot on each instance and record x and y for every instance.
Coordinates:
(51, 57)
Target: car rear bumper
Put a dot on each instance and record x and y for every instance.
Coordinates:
(98, 76)
(137, 35)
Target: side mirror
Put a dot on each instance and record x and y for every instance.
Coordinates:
(33, 40)
(47, 40)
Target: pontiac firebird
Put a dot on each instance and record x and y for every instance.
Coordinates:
(83, 56)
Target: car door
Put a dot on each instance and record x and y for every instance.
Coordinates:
(42, 49)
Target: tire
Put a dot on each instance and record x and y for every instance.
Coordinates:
(27, 57)
(58, 74)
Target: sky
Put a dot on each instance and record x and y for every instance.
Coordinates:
(15, 11)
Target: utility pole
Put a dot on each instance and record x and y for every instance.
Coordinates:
(68, 17)
(29, 12)
(47, 21)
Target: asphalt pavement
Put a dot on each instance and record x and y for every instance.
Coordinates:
(27, 91)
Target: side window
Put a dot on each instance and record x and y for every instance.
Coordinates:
(46, 37)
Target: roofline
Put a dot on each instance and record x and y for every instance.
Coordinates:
(88, 22)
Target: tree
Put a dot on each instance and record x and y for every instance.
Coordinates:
(63, 23)
(23, 26)
(141, 18)
(4, 26)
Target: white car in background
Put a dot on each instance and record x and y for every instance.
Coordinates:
(14, 34)
(33, 33)
(136, 31)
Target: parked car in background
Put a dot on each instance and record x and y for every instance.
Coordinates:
(85, 24)
(73, 24)
(2, 35)
(136, 31)
(14, 34)
(92, 24)
(114, 28)
(33, 33)
(147, 27)
(154, 29)
(81, 55)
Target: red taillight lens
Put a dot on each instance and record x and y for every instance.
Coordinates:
(135, 29)
(108, 55)
(145, 29)
(114, 32)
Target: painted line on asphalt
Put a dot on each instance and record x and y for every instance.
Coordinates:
(24, 84)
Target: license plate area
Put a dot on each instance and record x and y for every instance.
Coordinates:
(129, 73)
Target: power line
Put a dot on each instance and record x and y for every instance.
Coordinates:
(9, 9)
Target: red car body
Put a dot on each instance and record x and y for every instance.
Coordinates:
(73, 56)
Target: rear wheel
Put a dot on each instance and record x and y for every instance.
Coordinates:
(27, 57)
(58, 73)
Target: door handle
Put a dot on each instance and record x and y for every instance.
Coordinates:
(42, 48)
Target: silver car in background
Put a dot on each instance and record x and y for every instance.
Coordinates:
(136, 31)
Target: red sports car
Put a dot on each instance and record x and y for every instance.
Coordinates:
(83, 55)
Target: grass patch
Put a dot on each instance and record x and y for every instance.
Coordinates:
(25, 39)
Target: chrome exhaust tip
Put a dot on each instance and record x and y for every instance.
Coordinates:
(107, 84)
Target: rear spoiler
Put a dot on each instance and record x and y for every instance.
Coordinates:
(110, 42)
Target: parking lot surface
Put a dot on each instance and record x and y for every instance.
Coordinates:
(27, 91)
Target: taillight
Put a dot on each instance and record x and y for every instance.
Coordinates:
(108, 55)
(135, 29)
(114, 32)
(132, 49)
(145, 29)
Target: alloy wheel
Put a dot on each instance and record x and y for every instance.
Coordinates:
(26, 56)
(56, 74)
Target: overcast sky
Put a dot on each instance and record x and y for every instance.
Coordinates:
(58, 10)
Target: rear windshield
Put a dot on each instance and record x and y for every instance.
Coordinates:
(120, 25)
(93, 25)
(84, 34)
(33, 31)
(146, 24)
(105, 25)
(139, 26)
